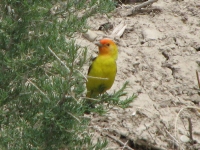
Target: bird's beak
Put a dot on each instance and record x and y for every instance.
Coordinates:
(98, 44)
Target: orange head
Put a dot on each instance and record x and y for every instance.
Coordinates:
(108, 47)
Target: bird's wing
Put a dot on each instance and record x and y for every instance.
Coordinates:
(91, 65)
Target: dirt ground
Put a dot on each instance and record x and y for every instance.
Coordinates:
(159, 53)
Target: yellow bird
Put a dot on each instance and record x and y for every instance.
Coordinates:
(101, 73)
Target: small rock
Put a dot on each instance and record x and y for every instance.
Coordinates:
(175, 62)
(139, 90)
(180, 42)
(184, 139)
(196, 46)
(198, 62)
(134, 113)
(155, 85)
(136, 64)
(144, 67)
(151, 34)
(137, 58)
(90, 35)
(184, 92)
(142, 42)
(187, 54)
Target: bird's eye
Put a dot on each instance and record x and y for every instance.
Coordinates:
(108, 44)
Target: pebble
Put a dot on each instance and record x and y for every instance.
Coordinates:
(184, 139)
(137, 58)
(90, 35)
(155, 85)
(151, 34)
(198, 62)
(135, 64)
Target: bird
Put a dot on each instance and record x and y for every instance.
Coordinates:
(102, 71)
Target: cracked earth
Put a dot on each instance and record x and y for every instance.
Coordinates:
(159, 56)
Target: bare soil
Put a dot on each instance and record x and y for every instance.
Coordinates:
(159, 54)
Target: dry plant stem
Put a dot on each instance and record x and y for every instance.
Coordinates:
(92, 99)
(64, 63)
(190, 129)
(82, 74)
(145, 4)
(62, 101)
(198, 78)
(177, 116)
(97, 78)
(149, 132)
(136, 141)
(59, 59)
(38, 89)
(49, 99)
(125, 145)
(74, 117)
(117, 140)
(120, 142)
(172, 137)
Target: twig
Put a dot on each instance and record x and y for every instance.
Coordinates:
(145, 4)
(149, 133)
(172, 137)
(92, 99)
(144, 109)
(74, 117)
(82, 74)
(136, 141)
(38, 89)
(125, 145)
(97, 78)
(62, 100)
(59, 59)
(198, 78)
(190, 129)
(136, 9)
(64, 63)
(107, 134)
(177, 116)
(119, 141)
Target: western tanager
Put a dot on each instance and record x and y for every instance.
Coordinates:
(102, 71)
